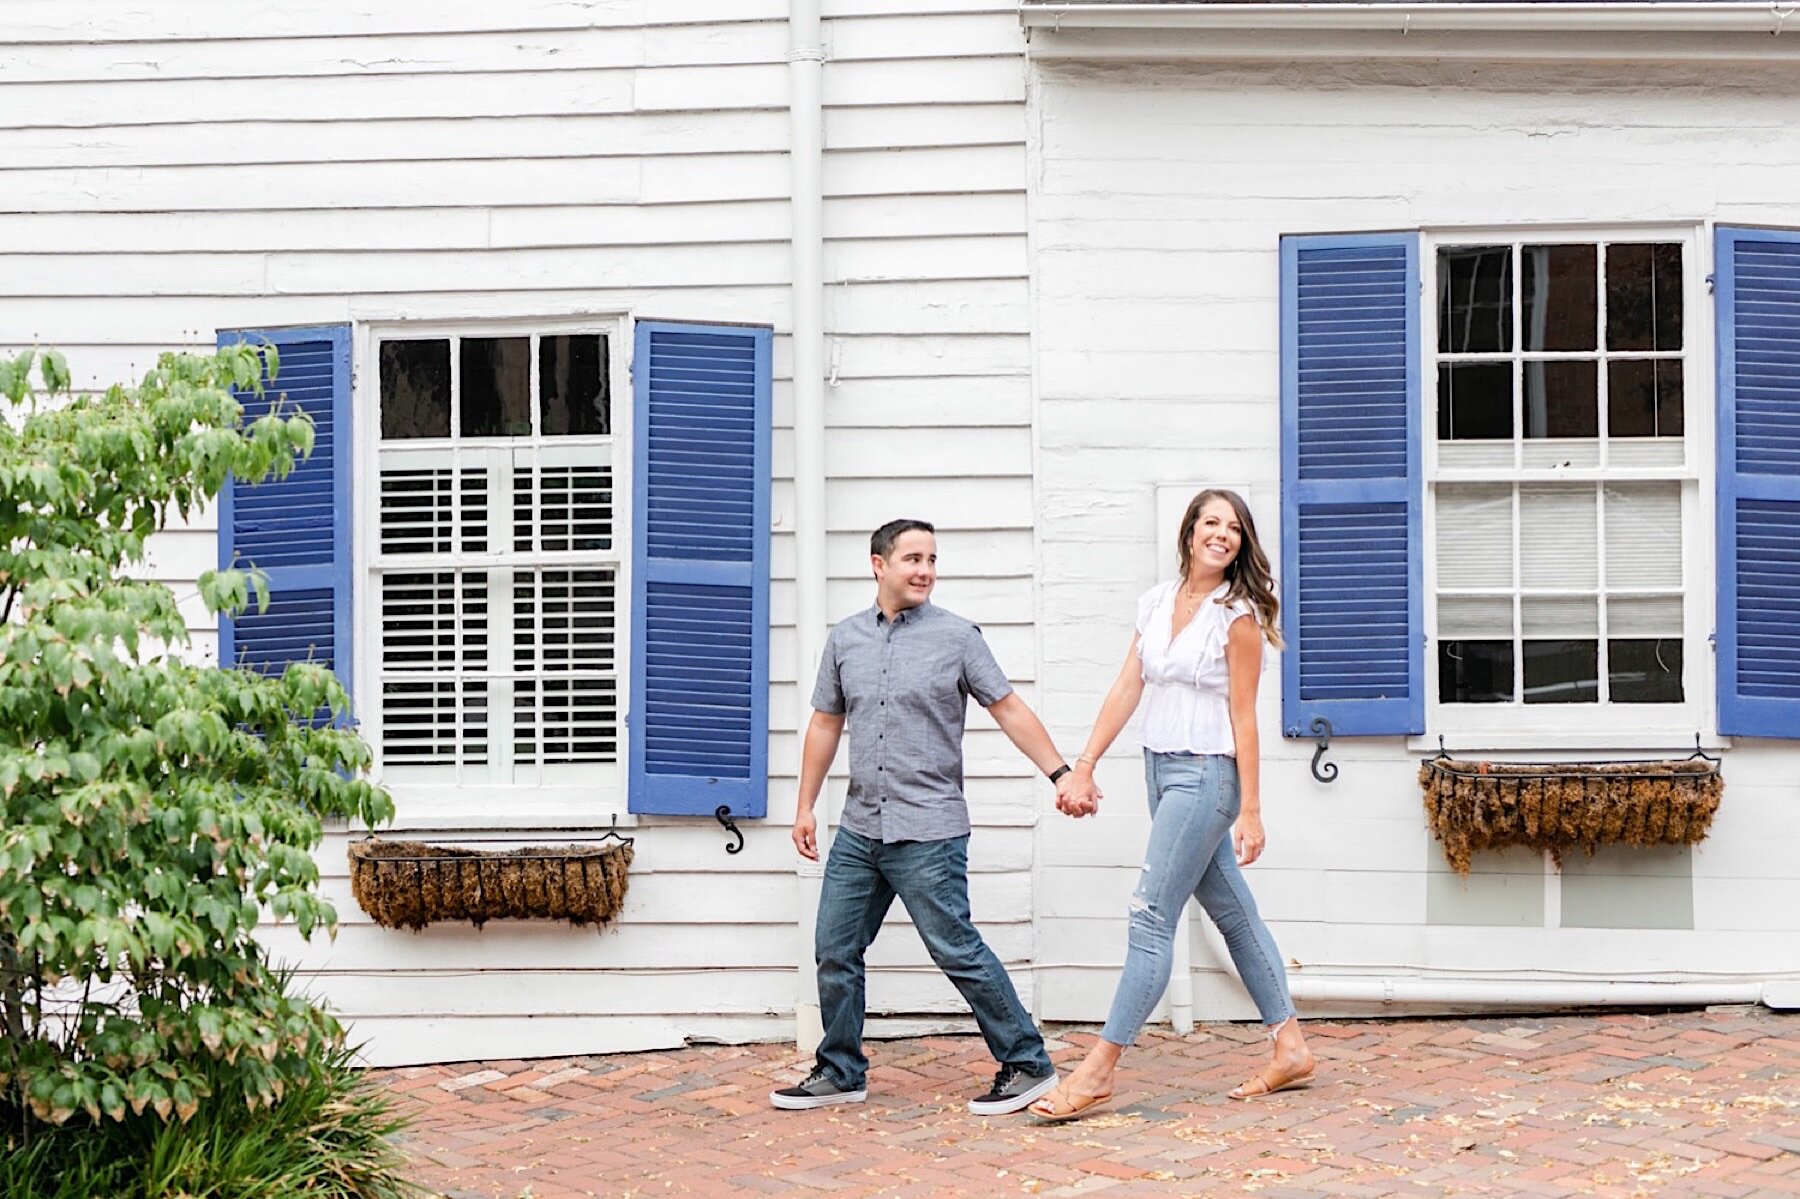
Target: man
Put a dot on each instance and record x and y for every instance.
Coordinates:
(901, 673)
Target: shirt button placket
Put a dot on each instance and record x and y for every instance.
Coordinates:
(887, 658)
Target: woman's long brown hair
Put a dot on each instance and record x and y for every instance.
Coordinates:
(1247, 577)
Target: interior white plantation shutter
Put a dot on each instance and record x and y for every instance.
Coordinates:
(295, 530)
(700, 570)
(1758, 294)
(1351, 580)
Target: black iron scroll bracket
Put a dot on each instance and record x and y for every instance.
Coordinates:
(1321, 729)
(612, 832)
(723, 815)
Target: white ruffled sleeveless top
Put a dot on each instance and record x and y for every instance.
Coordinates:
(1187, 689)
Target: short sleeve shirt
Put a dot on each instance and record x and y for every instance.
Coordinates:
(903, 688)
(1187, 686)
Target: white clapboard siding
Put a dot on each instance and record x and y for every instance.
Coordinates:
(164, 174)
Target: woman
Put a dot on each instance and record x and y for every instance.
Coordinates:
(1195, 662)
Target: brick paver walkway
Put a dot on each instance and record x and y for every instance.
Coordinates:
(1702, 1103)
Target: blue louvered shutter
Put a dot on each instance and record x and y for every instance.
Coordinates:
(1757, 285)
(700, 570)
(296, 530)
(1351, 485)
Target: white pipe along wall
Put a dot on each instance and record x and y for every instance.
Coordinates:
(806, 68)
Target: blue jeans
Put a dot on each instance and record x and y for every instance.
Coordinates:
(1193, 803)
(862, 876)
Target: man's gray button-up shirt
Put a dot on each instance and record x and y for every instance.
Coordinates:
(903, 688)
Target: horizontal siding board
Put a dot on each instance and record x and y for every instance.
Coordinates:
(423, 52)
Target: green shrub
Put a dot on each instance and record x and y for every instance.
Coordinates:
(327, 1137)
(151, 809)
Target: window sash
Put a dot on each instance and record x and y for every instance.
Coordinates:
(530, 473)
(1690, 473)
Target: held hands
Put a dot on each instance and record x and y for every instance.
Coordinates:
(1076, 794)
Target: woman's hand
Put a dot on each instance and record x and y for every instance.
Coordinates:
(1077, 795)
(1247, 837)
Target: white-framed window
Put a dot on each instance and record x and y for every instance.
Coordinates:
(1568, 434)
(494, 612)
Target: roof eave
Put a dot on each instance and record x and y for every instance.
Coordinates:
(1647, 16)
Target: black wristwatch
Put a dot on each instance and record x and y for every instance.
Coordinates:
(1059, 772)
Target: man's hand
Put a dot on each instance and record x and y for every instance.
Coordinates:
(1076, 794)
(806, 830)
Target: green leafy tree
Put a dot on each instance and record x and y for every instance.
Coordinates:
(152, 809)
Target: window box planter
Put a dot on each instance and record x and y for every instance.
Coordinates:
(409, 884)
(1557, 806)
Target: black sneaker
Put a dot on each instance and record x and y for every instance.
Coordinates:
(1013, 1090)
(817, 1091)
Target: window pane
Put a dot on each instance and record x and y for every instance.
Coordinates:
(1643, 535)
(1475, 672)
(415, 389)
(1560, 616)
(1475, 401)
(1559, 537)
(566, 705)
(1474, 535)
(1643, 398)
(1562, 672)
(1474, 299)
(1475, 616)
(1562, 399)
(562, 508)
(572, 379)
(1644, 615)
(1643, 296)
(1560, 297)
(496, 386)
(1645, 671)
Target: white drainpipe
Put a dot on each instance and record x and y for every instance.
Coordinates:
(1540, 994)
(806, 68)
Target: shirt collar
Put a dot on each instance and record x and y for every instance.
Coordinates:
(905, 615)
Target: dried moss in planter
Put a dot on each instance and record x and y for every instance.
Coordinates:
(409, 884)
(1557, 806)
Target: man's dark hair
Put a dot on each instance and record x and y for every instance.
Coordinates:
(881, 541)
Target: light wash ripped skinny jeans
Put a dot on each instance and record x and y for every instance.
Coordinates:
(1193, 803)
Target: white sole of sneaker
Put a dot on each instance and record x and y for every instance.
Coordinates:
(1018, 1103)
(790, 1103)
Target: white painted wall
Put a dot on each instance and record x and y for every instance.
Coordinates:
(168, 173)
(1159, 193)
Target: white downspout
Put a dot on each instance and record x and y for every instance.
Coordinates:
(1539, 994)
(806, 69)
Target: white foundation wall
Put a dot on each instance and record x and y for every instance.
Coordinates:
(170, 172)
(1159, 194)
